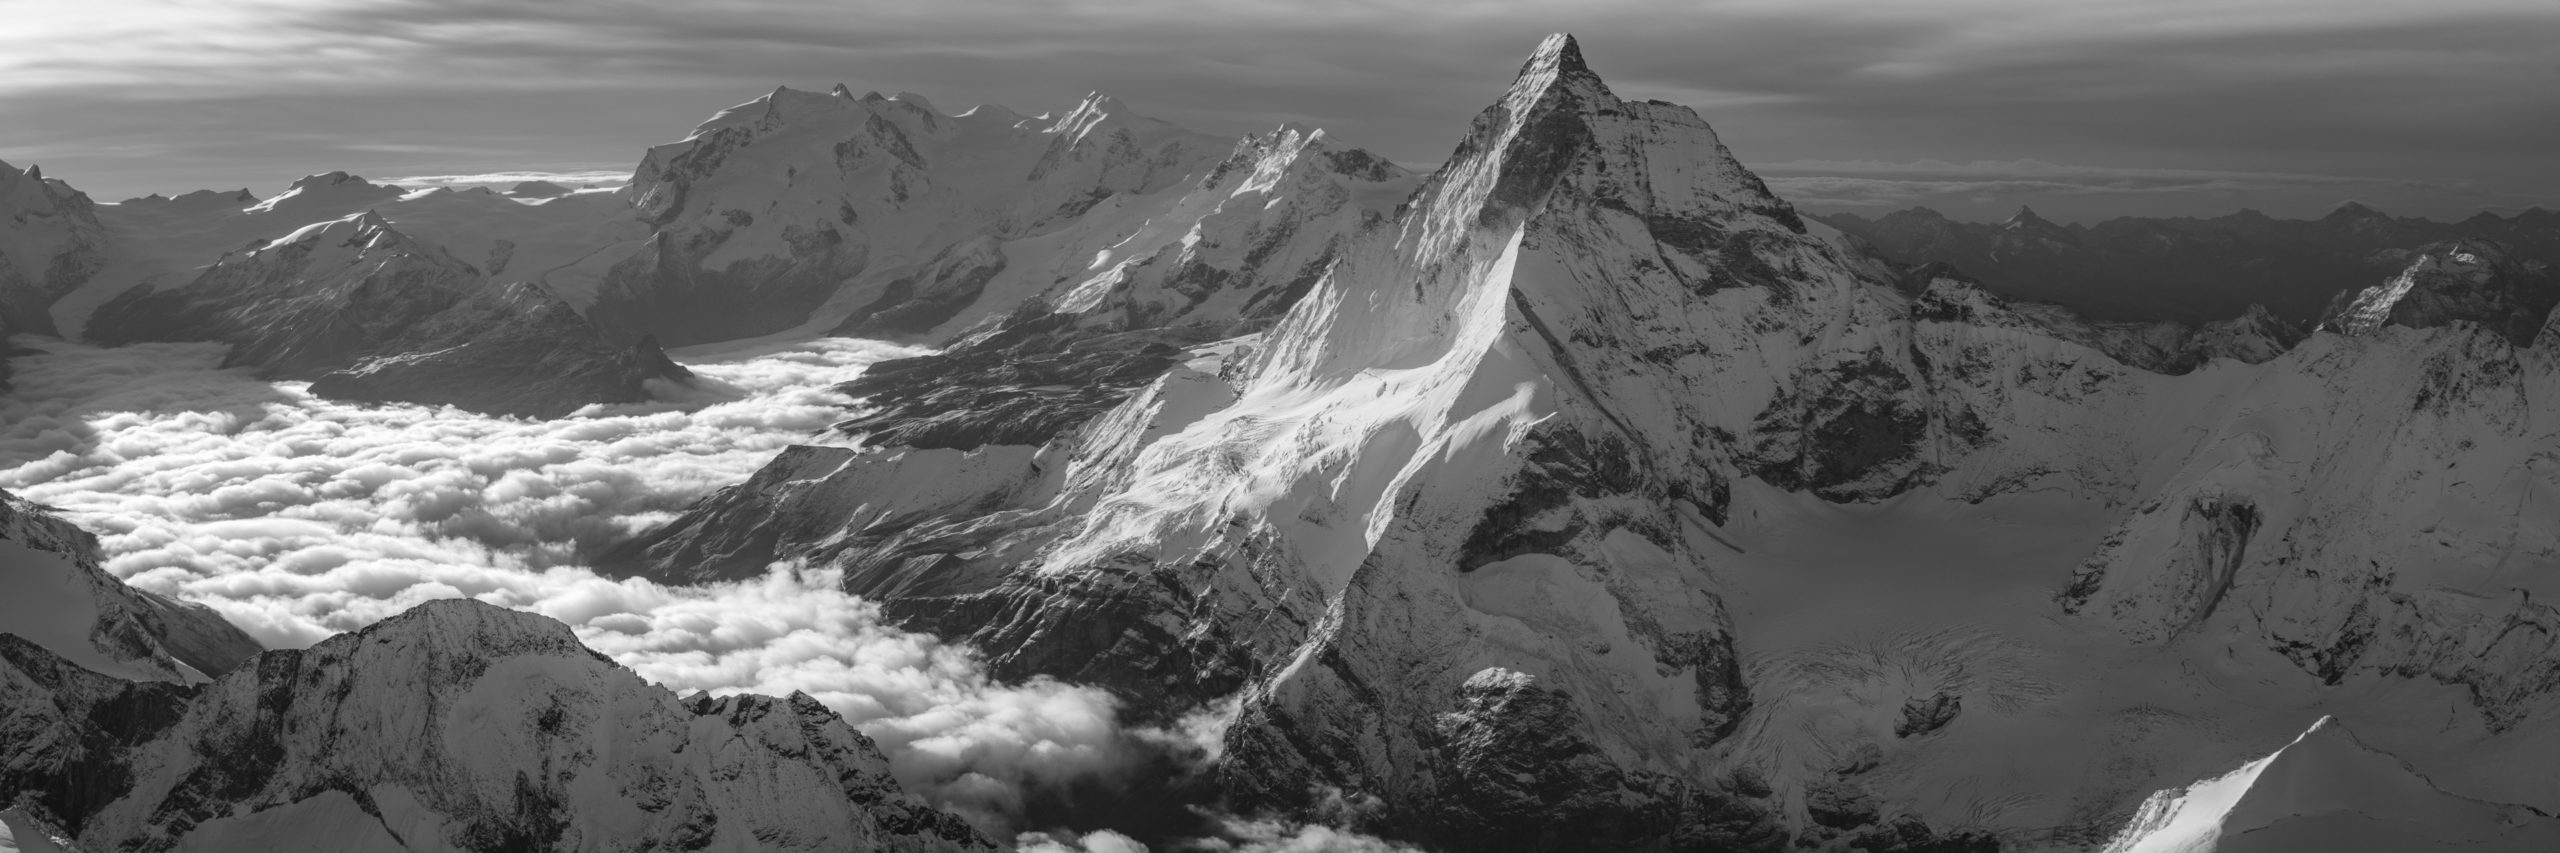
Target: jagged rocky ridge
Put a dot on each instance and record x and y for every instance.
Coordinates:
(455, 725)
(1463, 532)
(2184, 268)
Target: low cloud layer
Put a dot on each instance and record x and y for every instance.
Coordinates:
(299, 518)
(503, 180)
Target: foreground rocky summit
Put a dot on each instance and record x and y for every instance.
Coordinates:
(1596, 498)
(136, 722)
(453, 726)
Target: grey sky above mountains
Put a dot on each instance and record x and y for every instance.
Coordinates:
(2081, 109)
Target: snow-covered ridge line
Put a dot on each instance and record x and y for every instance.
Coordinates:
(54, 594)
(454, 725)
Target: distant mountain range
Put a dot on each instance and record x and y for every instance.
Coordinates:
(2188, 269)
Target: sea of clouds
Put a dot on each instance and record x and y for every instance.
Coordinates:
(299, 518)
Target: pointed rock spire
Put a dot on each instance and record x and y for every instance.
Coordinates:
(1557, 54)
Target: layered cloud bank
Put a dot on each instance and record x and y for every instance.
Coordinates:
(299, 518)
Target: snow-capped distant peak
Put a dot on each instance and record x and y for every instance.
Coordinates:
(329, 190)
(1095, 109)
(363, 232)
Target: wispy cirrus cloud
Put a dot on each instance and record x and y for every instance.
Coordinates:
(2445, 91)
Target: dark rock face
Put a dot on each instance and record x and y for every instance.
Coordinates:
(7, 351)
(2472, 280)
(315, 302)
(915, 305)
(1035, 378)
(734, 533)
(670, 292)
(371, 315)
(1517, 778)
(2186, 269)
(1921, 716)
(65, 731)
(515, 350)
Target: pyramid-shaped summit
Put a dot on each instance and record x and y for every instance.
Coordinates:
(1433, 525)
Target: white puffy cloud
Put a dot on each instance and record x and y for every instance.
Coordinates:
(299, 517)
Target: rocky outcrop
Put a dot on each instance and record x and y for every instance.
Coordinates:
(510, 350)
(454, 725)
(55, 595)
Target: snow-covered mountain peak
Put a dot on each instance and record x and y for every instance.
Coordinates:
(2467, 280)
(51, 242)
(1093, 110)
(27, 195)
(1557, 54)
(1561, 147)
(330, 191)
(346, 238)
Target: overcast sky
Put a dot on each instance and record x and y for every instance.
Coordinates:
(2083, 109)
